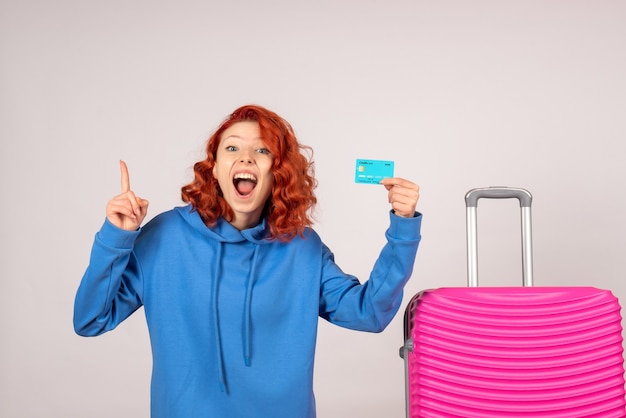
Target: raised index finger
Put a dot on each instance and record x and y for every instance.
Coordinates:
(125, 177)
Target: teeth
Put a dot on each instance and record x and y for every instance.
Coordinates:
(245, 176)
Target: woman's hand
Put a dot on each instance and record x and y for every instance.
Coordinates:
(403, 195)
(126, 211)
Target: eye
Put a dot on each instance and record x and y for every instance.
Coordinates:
(264, 151)
(231, 148)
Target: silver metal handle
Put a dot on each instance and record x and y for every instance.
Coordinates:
(471, 203)
(523, 195)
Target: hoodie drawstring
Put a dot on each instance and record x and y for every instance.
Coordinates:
(218, 337)
(247, 315)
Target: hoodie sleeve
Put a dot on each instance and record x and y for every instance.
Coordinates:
(110, 289)
(372, 305)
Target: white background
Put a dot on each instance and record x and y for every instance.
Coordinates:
(461, 94)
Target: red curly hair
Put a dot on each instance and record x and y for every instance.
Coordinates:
(287, 210)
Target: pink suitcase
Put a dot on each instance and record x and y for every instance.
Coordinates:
(512, 351)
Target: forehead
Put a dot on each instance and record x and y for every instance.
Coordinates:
(245, 130)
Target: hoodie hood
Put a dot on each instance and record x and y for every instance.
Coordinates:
(224, 233)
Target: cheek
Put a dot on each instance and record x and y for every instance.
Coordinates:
(269, 176)
(217, 170)
(219, 176)
(270, 184)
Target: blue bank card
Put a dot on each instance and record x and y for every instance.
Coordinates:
(372, 171)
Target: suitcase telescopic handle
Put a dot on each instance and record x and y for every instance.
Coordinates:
(471, 203)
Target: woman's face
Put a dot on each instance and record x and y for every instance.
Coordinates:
(243, 169)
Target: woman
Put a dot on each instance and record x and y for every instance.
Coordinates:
(233, 283)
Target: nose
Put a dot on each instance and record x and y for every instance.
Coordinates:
(246, 157)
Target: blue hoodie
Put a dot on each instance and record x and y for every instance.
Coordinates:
(232, 316)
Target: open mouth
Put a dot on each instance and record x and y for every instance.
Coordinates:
(244, 183)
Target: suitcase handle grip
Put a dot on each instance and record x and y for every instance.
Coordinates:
(471, 202)
(524, 196)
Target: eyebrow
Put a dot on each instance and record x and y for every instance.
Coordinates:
(240, 137)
